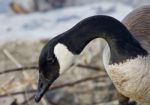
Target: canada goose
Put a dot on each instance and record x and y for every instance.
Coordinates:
(125, 60)
(138, 23)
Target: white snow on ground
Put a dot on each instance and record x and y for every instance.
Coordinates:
(49, 24)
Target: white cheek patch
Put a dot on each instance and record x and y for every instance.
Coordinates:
(64, 57)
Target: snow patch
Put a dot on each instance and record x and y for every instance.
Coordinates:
(49, 24)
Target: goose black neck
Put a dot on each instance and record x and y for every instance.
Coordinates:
(122, 44)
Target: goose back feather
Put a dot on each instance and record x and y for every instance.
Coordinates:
(138, 23)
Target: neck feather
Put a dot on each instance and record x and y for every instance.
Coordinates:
(122, 44)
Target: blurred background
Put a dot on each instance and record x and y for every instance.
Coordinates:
(27, 25)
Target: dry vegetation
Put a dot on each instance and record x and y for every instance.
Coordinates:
(84, 84)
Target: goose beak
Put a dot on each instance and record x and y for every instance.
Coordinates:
(43, 86)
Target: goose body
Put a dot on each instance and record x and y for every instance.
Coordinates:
(125, 60)
(131, 78)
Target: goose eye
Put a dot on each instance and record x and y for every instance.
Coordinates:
(50, 60)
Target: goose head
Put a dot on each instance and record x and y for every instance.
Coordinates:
(55, 57)
(59, 53)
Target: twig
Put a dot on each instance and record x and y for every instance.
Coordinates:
(89, 67)
(25, 74)
(78, 81)
(26, 101)
(11, 58)
(15, 61)
(5, 90)
(26, 68)
(26, 98)
(8, 82)
(62, 85)
(7, 93)
(68, 84)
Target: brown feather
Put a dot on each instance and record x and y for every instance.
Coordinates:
(138, 23)
(16, 8)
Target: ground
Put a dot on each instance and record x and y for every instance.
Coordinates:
(93, 92)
